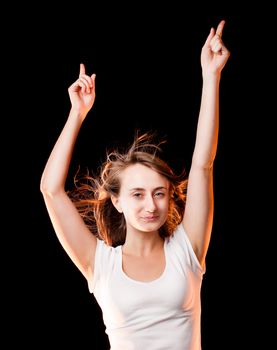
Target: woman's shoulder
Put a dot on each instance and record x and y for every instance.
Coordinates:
(180, 243)
(103, 249)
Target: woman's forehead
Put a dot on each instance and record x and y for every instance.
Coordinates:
(141, 176)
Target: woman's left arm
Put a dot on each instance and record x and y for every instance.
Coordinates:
(198, 217)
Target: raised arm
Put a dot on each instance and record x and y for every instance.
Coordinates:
(198, 217)
(73, 234)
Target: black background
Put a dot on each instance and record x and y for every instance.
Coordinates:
(148, 72)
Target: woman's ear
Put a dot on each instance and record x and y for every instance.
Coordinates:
(116, 203)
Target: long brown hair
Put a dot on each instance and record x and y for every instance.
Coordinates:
(92, 194)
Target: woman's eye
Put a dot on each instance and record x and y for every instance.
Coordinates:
(159, 194)
(137, 195)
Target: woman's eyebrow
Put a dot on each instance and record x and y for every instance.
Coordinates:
(143, 189)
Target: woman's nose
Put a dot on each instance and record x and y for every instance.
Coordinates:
(150, 205)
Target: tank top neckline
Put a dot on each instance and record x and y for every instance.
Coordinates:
(120, 261)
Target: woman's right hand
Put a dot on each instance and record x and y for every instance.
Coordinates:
(82, 92)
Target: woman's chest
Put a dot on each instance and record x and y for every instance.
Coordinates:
(171, 292)
(144, 269)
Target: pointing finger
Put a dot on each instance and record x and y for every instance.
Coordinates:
(219, 28)
(82, 69)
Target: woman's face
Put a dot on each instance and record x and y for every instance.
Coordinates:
(143, 198)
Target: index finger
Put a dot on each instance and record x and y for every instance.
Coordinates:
(219, 28)
(82, 69)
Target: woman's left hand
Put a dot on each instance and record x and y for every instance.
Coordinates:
(214, 53)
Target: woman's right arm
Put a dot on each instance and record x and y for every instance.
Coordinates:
(73, 234)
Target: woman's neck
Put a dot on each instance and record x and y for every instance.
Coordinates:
(142, 244)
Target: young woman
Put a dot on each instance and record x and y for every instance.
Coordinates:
(139, 233)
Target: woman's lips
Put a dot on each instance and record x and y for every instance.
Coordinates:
(150, 218)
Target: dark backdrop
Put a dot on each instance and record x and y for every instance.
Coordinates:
(148, 77)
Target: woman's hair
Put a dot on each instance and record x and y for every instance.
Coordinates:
(92, 195)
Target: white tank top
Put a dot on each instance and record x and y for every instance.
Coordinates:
(163, 314)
